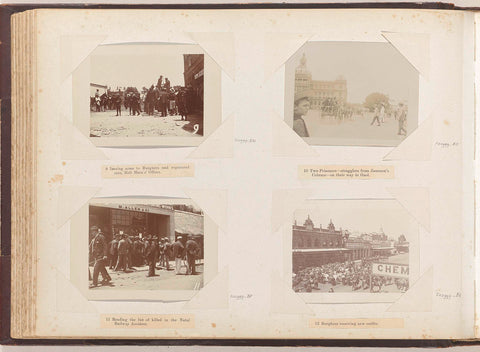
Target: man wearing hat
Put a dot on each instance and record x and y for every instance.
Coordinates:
(122, 253)
(151, 254)
(178, 253)
(167, 252)
(99, 250)
(300, 109)
(192, 250)
(161, 252)
(113, 251)
(138, 252)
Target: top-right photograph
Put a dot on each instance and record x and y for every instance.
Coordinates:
(351, 94)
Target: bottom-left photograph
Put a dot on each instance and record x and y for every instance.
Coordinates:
(145, 246)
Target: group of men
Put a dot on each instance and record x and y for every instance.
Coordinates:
(125, 252)
(162, 97)
(167, 101)
(132, 102)
(107, 100)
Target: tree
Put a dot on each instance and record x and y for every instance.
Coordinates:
(375, 98)
(402, 238)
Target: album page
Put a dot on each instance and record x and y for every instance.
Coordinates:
(255, 174)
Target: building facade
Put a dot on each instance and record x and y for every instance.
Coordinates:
(316, 246)
(193, 72)
(321, 93)
(143, 220)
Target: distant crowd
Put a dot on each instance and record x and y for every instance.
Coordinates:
(357, 275)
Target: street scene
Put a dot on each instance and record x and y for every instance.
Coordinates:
(145, 246)
(343, 259)
(159, 94)
(164, 279)
(327, 126)
(371, 100)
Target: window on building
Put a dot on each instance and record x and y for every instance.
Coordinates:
(121, 217)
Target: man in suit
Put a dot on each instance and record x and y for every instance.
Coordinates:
(178, 253)
(122, 254)
(113, 249)
(138, 252)
(167, 252)
(99, 251)
(151, 254)
(118, 104)
(192, 250)
(161, 252)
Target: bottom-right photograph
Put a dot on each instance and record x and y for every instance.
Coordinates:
(351, 246)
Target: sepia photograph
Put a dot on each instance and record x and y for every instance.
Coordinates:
(145, 246)
(351, 247)
(146, 91)
(351, 93)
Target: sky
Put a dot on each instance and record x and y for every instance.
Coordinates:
(361, 216)
(367, 67)
(135, 65)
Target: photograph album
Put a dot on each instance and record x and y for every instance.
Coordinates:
(244, 174)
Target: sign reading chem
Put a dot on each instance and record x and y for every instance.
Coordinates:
(387, 269)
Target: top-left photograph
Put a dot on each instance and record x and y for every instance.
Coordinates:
(154, 96)
(147, 94)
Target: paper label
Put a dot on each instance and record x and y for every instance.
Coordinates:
(345, 172)
(148, 170)
(147, 321)
(374, 323)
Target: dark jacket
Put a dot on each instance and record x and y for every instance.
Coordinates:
(99, 247)
(178, 249)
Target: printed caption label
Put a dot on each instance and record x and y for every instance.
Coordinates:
(148, 170)
(345, 172)
(374, 323)
(147, 321)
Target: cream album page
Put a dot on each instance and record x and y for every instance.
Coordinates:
(260, 173)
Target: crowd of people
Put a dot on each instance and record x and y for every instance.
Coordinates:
(339, 110)
(125, 252)
(161, 98)
(357, 275)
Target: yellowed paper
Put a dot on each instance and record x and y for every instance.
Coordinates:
(380, 323)
(148, 170)
(147, 321)
(245, 248)
(345, 172)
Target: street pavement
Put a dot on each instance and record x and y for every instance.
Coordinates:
(136, 279)
(358, 129)
(107, 124)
